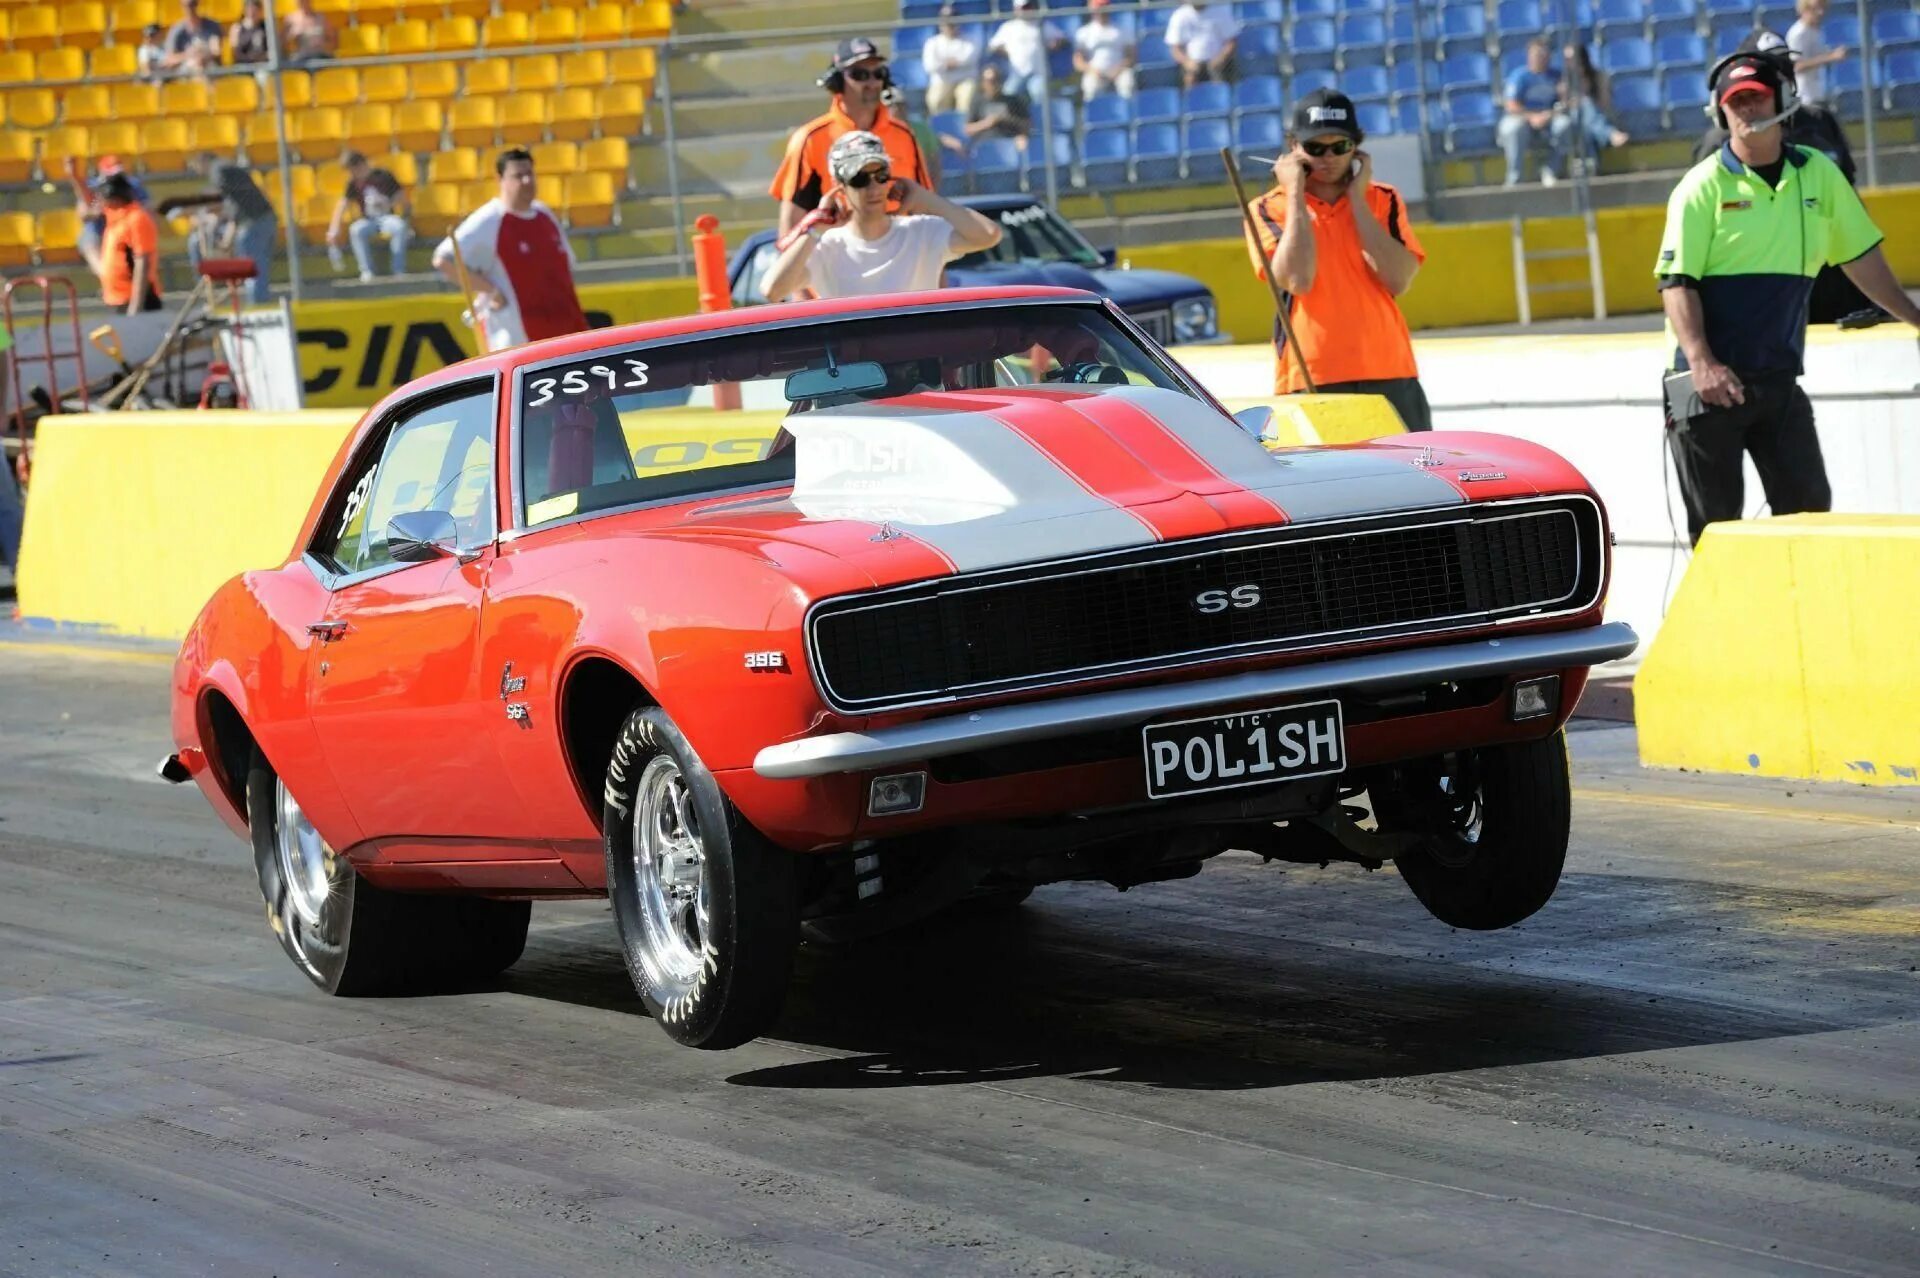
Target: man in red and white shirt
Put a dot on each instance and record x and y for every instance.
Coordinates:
(518, 261)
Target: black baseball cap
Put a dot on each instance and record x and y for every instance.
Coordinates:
(855, 49)
(1325, 111)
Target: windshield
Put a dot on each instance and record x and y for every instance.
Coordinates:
(1035, 233)
(640, 424)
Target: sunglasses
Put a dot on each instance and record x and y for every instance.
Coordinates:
(861, 75)
(1318, 149)
(860, 181)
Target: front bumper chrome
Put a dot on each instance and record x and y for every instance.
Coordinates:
(1068, 716)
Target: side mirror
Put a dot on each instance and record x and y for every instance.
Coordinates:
(1109, 256)
(1255, 420)
(421, 535)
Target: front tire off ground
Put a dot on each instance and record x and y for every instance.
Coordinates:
(1496, 822)
(351, 937)
(705, 906)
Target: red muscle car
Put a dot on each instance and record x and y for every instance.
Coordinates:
(979, 591)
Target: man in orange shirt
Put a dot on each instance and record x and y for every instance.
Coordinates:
(857, 79)
(1341, 248)
(129, 249)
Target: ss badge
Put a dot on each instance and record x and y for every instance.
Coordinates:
(1210, 601)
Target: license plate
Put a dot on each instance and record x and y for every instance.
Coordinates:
(1255, 747)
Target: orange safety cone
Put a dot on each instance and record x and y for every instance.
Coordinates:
(710, 276)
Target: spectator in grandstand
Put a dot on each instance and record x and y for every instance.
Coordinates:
(383, 209)
(129, 250)
(247, 39)
(1812, 55)
(1746, 229)
(92, 211)
(247, 223)
(999, 112)
(1585, 97)
(953, 64)
(307, 36)
(1023, 43)
(193, 45)
(150, 59)
(518, 261)
(854, 247)
(1202, 39)
(858, 79)
(1340, 246)
(1102, 54)
(1532, 93)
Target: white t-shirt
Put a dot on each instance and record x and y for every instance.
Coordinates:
(539, 255)
(1806, 40)
(1103, 45)
(1201, 30)
(907, 259)
(950, 57)
(1024, 44)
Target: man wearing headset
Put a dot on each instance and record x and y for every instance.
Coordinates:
(857, 80)
(1747, 230)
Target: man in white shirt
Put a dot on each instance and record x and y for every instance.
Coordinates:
(852, 247)
(953, 64)
(518, 261)
(1102, 55)
(1201, 38)
(1023, 42)
(1811, 56)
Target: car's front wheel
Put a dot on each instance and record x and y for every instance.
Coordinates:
(706, 908)
(1494, 823)
(351, 937)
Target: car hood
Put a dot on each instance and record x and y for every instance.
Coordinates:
(932, 484)
(1128, 289)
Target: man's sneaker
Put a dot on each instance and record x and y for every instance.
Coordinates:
(1549, 178)
(366, 277)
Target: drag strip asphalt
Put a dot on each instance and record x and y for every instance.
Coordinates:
(1701, 1058)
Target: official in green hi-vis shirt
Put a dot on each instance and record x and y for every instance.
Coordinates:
(1747, 231)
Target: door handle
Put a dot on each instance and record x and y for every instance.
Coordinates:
(327, 631)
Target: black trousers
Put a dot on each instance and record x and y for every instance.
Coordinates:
(1404, 393)
(1775, 425)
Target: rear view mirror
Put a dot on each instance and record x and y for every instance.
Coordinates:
(421, 535)
(839, 379)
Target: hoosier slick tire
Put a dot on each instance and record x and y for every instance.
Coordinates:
(706, 908)
(351, 937)
(1497, 822)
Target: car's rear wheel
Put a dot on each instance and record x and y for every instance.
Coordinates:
(351, 937)
(705, 906)
(1495, 823)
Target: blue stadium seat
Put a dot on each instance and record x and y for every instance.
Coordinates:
(1108, 109)
(1105, 153)
(1365, 84)
(1406, 76)
(1470, 122)
(1062, 149)
(1211, 98)
(1727, 40)
(1400, 29)
(1894, 28)
(1901, 76)
(1636, 104)
(1156, 104)
(1406, 113)
(919, 10)
(996, 166)
(1514, 59)
(972, 8)
(1627, 16)
(950, 124)
(1683, 93)
(1460, 70)
(1363, 6)
(1842, 30)
(1251, 11)
(1462, 26)
(1260, 134)
(1776, 16)
(1258, 49)
(1318, 78)
(1626, 53)
(1156, 153)
(1062, 110)
(1204, 140)
(1314, 8)
(1313, 42)
(1151, 52)
(908, 41)
(1374, 117)
(1259, 93)
(1517, 21)
(1686, 51)
(1673, 17)
(1359, 31)
(1845, 84)
(910, 74)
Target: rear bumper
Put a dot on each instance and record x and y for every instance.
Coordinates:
(1037, 721)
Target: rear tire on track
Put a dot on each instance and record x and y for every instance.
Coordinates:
(351, 937)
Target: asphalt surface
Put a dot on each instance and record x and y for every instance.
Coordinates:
(1701, 1058)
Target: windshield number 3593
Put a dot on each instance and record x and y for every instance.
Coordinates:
(575, 381)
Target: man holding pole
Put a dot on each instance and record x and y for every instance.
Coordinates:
(513, 262)
(1340, 249)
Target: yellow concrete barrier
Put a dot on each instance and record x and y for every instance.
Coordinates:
(1789, 652)
(1331, 419)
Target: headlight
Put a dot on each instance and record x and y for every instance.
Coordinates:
(1195, 320)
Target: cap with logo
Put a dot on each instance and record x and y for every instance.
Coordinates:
(1748, 75)
(854, 152)
(855, 49)
(1325, 111)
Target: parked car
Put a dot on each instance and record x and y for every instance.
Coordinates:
(1008, 599)
(1041, 247)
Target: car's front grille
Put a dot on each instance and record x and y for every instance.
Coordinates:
(1207, 599)
(1157, 324)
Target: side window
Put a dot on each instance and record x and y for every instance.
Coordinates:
(437, 457)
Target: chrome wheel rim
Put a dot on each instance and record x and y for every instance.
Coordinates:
(303, 857)
(670, 873)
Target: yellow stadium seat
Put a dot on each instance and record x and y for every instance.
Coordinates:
(224, 12)
(634, 66)
(236, 95)
(316, 214)
(370, 127)
(336, 87)
(405, 169)
(219, 134)
(34, 29)
(363, 41)
(136, 101)
(556, 157)
(16, 68)
(450, 168)
(474, 121)
(304, 178)
(87, 104)
(550, 190)
(113, 60)
(622, 107)
(434, 81)
(584, 70)
(32, 108)
(474, 194)
(60, 64)
(455, 35)
(410, 35)
(116, 138)
(555, 26)
(520, 6)
(590, 199)
(603, 22)
(505, 31)
(261, 144)
(536, 74)
(183, 98)
(436, 209)
(298, 86)
(128, 18)
(83, 25)
(649, 18)
(316, 132)
(58, 146)
(58, 232)
(384, 84)
(417, 125)
(339, 12)
(17, 239)
(523, 119)
(490, 77)
(607, 155)
(378, 11)
(16, 155)
(475, 9)
(165, 145)
(575, 113)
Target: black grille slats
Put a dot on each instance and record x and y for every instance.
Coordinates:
(958, 638)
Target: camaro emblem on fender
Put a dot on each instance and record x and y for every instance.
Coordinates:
(1247, 596)
(1480, 476)
(516, 710)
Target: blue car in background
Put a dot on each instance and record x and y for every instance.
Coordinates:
(1041, 247)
